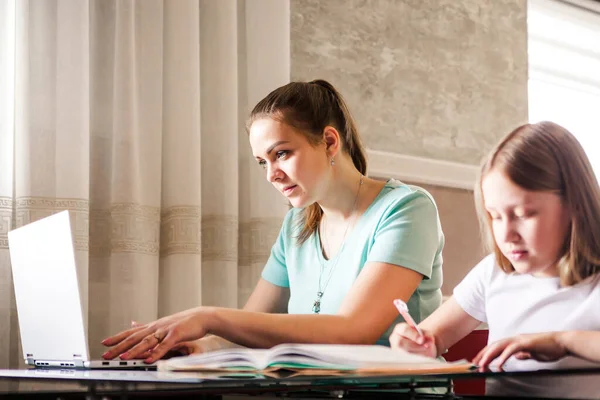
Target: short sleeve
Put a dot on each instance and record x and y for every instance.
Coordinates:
(275, 270)
(470, 293)
(409, 234)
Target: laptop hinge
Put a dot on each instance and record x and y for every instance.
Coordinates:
(78, 361)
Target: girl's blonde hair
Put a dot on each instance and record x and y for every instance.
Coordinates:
(310, 107)
(548, 158)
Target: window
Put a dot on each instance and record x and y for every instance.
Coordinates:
(564, 68)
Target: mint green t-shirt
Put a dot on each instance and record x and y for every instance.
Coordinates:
(400, 227)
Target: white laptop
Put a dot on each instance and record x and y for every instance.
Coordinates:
(49, 307)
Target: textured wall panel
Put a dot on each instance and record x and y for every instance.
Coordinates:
(440, 79)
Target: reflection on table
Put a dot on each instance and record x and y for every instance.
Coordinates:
(138, 384)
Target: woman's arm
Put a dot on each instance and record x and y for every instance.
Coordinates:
(268, 298)
(366, 312)
(265, 298)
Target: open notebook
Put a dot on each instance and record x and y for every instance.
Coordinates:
(315, 358)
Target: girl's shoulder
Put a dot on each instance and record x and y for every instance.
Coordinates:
(488, 269)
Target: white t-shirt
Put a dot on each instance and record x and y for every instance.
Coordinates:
(513, 304)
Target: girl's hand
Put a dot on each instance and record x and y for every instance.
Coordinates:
(407, 338)
(153, 341)
(539, 346)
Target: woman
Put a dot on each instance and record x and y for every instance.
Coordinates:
(349, 246)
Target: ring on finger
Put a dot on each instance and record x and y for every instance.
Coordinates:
(158, 336)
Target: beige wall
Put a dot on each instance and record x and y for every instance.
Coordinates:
(439, 79)
(463, 247)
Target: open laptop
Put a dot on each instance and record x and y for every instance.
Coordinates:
(48, 300)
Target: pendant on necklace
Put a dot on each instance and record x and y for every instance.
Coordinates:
(317, 303)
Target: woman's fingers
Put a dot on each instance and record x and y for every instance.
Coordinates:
(126, 343)
(153, 341)
(113, 340)
(146, 344)
(182, 349)
(161, 348)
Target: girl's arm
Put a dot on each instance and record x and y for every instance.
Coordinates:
(449, 324)
(549, 346)
(366, 312)
(583, 344)
(446, 326)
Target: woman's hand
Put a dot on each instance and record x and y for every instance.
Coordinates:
(203, 345)
(407, 338)
(539, 346)
(152, 341)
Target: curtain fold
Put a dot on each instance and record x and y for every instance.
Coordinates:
(8, 320)
(131, 114)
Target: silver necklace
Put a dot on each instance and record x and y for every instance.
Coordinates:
(317, 303)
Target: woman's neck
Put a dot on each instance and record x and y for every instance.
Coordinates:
(342, 198)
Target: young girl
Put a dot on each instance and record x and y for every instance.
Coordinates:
(347, 248)
(540, 202)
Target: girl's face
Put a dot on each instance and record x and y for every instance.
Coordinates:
(293, 165)
(529, 227)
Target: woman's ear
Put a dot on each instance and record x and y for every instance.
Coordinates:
(332, 139)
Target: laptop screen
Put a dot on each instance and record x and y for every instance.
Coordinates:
(47, 291)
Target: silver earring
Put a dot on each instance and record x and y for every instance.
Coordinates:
(332, 162)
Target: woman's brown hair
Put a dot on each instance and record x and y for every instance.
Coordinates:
(546, 157)
(309, 107)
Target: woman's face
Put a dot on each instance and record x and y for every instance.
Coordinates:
(529, 227)
(293, 165)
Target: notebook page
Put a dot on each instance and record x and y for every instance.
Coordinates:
(226, 358)
(355, 356)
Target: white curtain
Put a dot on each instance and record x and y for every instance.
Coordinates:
(564, 60)
(131, 114)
